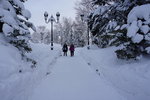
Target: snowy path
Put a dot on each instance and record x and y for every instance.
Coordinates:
(72, 79)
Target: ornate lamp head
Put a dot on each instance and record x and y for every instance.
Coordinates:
(45, 15)
(57, 15)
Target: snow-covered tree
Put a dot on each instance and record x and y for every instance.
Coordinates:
(79, 33)
(110, 25)
(42, 35)
(70, 31)
(14, 23)
(66, 31)
(109, 15)
(14, 26)
(74, 32)
(138, 33)
(83, 7)
(104, 19)
(58, 33)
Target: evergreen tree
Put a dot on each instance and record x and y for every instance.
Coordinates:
(101, 2)
(105, 15)
(14, 23)
(109, 25)
(104, 19)
(137, 34)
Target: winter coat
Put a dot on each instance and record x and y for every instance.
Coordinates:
(65, 48)
(71, 48)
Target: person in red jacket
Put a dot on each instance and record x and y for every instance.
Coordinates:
(72, 49)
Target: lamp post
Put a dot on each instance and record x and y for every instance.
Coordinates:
(51, 19)
(82, 18)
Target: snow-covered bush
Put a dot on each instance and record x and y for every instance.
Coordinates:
(138, 33)
(14, 23)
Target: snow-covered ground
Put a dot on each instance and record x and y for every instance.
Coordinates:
(16, 85)
(73, 79)
(94, 74)
(12, 82)
(130, 78)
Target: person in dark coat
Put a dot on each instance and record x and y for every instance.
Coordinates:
(65, 49)
(72, 49)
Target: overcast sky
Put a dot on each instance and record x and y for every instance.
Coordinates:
(38, 7)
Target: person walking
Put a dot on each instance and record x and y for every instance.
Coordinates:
(72, 49)
(65, 49)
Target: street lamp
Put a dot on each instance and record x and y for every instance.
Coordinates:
(51, 19)
(86, 20)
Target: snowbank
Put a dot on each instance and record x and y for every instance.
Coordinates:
(17, 78)
(14, 72)
(45, 57)
(131, 78)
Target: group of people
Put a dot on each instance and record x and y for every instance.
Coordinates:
(71, 48)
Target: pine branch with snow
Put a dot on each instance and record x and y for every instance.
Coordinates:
(138, 32)
(14, 23)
